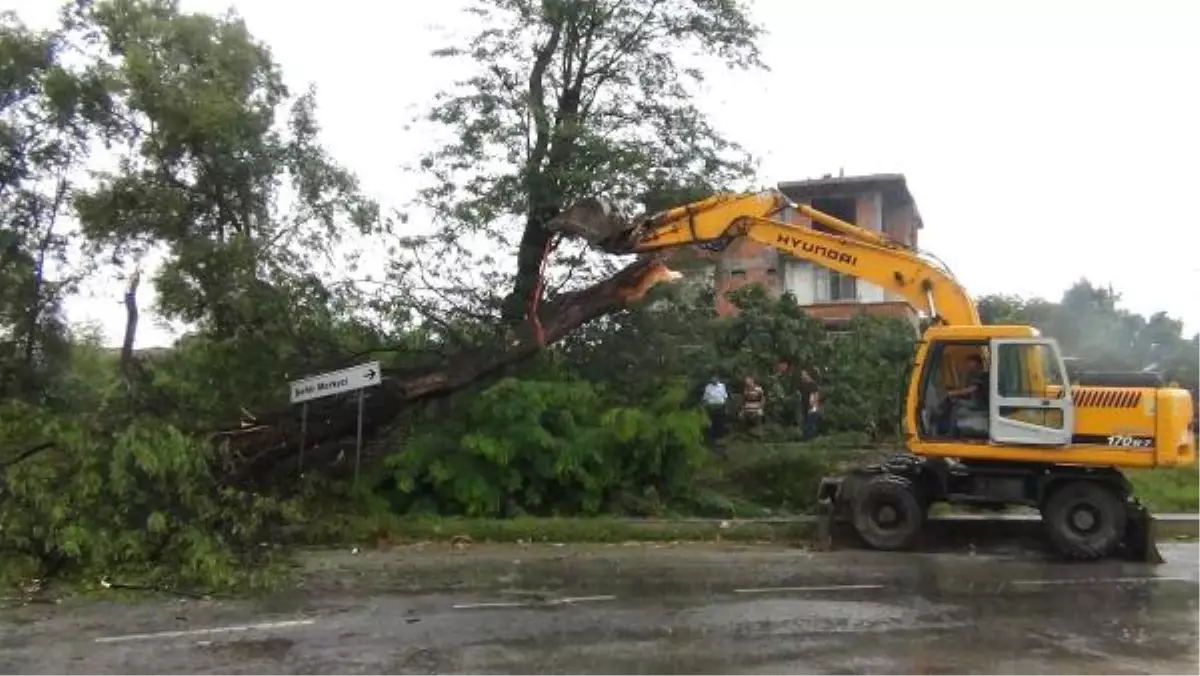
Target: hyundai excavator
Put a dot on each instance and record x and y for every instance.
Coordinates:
(1028, 436)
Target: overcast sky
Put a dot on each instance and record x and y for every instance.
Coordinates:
(1043, 141)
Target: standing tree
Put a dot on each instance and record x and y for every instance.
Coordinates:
(571, 99)
(46, 113)
(246, 209)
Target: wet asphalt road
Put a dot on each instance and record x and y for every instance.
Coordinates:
(645, 609)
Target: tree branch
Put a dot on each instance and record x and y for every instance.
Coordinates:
(27, 453)
(537, 101)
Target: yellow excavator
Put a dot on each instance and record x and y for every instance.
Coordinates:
(991, 417)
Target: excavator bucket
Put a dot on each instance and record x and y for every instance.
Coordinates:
(1140, 543)
(833, 518)
(595, 221)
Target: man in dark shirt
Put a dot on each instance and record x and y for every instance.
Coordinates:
(976, 391)
(809, 409)
(970, 402)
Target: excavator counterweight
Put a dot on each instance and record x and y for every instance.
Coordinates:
(991, 416)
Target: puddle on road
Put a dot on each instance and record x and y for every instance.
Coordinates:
(801, 614)
(272, 648)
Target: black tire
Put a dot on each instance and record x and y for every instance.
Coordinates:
(889, 514)
(1084, 519)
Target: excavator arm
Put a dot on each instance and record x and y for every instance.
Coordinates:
(843, 247)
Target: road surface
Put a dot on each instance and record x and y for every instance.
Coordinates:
(640, 608)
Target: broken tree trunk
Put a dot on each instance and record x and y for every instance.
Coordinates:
(267, 447)
(129, 364)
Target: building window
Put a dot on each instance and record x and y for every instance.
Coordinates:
(842, 287)
(835, 287)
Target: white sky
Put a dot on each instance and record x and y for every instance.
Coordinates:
(1044, 141)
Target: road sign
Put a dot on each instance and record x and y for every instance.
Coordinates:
(335, 382)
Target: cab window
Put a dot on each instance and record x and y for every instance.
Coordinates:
(1027, 370)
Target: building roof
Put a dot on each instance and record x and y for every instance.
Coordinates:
(893, 187)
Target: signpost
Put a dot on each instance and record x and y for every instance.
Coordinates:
(356, 378)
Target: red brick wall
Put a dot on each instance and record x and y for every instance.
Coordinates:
(745, 262)
(847, 311)
(732, 281)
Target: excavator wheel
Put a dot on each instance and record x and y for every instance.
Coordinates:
(888, 513)
(1085, 520)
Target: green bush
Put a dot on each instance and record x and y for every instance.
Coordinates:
(137, 505)
(547, 447)
(862, 371)
(865, 379)
(786, 476)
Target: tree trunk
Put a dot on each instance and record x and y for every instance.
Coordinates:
(128, 360)
(269, 445)
(529, 265)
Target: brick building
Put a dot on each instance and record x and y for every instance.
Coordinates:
(879, 202)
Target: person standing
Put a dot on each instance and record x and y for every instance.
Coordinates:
(715, 399)
(809, 409)
(754, 403)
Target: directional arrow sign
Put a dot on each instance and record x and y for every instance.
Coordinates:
(336, 382)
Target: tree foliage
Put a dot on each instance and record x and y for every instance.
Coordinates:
(133, 128)
(553, 447)
(1093, 329)
(141, 504)
(861, 371)
(247, 209)
(49, 112)
(571, 99)
(610, 419)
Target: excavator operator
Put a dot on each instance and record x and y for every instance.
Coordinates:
(968, 405)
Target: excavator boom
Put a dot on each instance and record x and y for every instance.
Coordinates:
(839, 246)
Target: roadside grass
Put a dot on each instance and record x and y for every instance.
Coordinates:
(734, 499)
(771, 478)
(1175, 489)
(388, 529)
(755, 480)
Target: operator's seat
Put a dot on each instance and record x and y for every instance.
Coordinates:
(970, 422)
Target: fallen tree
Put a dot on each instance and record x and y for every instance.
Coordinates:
(270, 446)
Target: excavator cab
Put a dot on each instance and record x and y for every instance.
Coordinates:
(993, 390)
